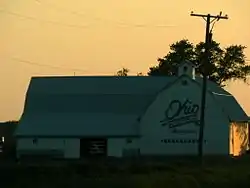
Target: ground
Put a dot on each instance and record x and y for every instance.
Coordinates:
(137, 173)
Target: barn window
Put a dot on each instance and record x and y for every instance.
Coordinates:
(129, 141)
(185, 68)
(35, 141)
(184, 82)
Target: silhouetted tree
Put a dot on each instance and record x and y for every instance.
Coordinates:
(225, 64)
(123, 72)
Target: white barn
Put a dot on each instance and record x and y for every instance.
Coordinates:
(75, 117)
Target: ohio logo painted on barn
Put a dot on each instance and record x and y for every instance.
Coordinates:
(179, 114)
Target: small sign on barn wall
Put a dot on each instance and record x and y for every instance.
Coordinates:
(180, 115)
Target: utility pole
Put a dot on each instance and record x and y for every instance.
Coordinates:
(208, 39)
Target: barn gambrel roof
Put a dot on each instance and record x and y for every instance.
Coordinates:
(99, 105)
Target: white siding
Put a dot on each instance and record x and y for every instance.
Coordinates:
(216, 128)
(42, 143)
(70, 147)
(116, 146)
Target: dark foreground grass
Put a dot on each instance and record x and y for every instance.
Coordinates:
(128, 173)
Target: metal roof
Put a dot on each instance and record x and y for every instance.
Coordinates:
(98, 85)
(120, 99)
(232, 108)
(88, 103)
(227, 101)
(75, 124)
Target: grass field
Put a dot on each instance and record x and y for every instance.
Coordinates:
(134, 173)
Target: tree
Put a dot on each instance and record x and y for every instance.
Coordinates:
(225, 64)
(123, 72)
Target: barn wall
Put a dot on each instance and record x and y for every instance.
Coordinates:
(70, 147)
(239, 138)
(115, 146)
(42, 143)
(119, 147)
(182, 140)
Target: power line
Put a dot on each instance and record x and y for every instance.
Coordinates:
(42, 21)
(45, 65)
(74, 25)
(76, 13)
(54, 6)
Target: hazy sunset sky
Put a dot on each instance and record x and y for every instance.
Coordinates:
(99, 37)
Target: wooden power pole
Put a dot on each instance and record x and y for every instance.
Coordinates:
(208, 38)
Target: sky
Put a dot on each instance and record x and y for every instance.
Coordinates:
(78, 37)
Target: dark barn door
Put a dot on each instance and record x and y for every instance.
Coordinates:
(93, 147)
